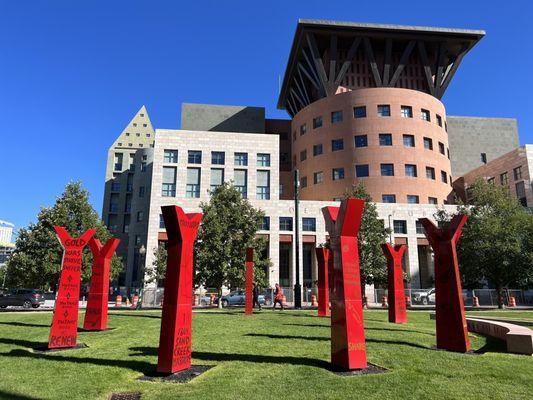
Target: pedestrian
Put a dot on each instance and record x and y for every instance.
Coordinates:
(278, 297)
(255, 292)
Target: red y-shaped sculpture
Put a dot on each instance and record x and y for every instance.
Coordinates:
(248, 309)
(175, 343)
(397, 311)
(348, 349)
(452, 332)
(96, 312)
(322, 256)
(64, 330)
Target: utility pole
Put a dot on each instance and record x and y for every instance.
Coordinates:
(297, 287)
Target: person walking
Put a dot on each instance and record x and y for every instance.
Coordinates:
(278, 297)
(255, 293)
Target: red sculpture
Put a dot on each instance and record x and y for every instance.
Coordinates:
(322, 256)
(397, 310)
(248, 309)
(175, 343)
(348, 349)
(64, 330)
(452, 332)
(96, 312)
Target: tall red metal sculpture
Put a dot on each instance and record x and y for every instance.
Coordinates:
(175, 343)
(397, 310)
(348, 349)
(96, 312)
(452, 332)
(249, 300)
(64, 330)
(322, 256)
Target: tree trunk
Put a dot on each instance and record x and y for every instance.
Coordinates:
(220, 298)
(499, 291)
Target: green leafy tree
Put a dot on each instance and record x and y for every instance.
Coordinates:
(372, 234)
(496, 246)
(159, 265)
(229, 226)
(36, 261)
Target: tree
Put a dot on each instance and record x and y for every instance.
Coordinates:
(372, 234)
(157, 273)
(229, 226)
(496, 246)
(36, 261)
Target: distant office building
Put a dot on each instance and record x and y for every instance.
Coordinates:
(6, 246)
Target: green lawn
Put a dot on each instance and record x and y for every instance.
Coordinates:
(281, 355)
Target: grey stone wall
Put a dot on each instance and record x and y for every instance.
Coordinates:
(208, 117)
(468, 137)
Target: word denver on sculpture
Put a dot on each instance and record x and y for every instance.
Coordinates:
(96, 312)
(322, 256)
(452, 331)
(396, 292)
(175, 345)
(348, 348)
(248, 309)
(64, 330)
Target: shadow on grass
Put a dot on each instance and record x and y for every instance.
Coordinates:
(492, 345)
(14, 396)
(23, 343)
(254, 358)
(24, 324)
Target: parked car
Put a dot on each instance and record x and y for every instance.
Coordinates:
(237, 298)
(26, 298)
(424, 297)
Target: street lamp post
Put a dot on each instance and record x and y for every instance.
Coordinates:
(297, 287)
(142, 253)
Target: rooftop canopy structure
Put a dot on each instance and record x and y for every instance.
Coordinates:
(328, 57)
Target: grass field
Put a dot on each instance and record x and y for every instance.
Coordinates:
(279, 355)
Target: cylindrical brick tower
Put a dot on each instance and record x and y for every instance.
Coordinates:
(365, 102)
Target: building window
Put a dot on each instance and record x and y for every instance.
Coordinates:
(118, 162)
(127, 205)
(383, 110)
(504, 179)
(424, 115)
(336, 117)
(491, 181)
(318, 177)
(444, 176)
(406, 112)
(192, 189)
(359, 112)
(361, 141)
(240, 177)
(520, 188)
(143, 166)
(385, 139)
(317, 122)
(140, 216)
(400, 226)
(161, 222)
(303, 129)
(317, 149)
(263, 160)
(309, 224)
(303, 181)
(439, 120)
(137, 240)
(410, 170)
(126, 226)
(264, 225)
(442, 149)
(285, 223)
(303, 155)
(168, 188)
(428, 143)
(420, 228)
(216, 178)
(337, 144)
(430, 173)
(115, 187)
(387, 169)
(195, 157)
(263, 185)
(432, 200)
(361, 170)
(388, 198)
(170, 156)
(413, 199)
(337, 174)
(141, 191)
(241, 159)
(218, 158)
(517, 173)
(132, 162)
(409, 140)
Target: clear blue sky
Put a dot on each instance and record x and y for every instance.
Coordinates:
(73, 73)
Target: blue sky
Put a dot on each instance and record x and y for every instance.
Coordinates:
(73, 73)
